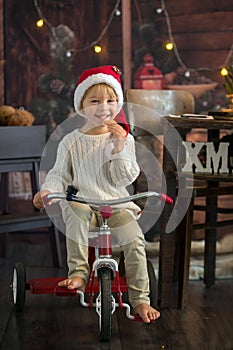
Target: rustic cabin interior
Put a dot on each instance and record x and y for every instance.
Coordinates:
(175, 60)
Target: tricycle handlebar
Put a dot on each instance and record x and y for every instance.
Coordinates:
(98, 202)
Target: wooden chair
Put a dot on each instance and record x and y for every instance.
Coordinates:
(145, 112)
(146, 108)
(20, 151)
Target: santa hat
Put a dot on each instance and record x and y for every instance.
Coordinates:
(110, 75)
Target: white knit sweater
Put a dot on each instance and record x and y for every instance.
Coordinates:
(86, 161)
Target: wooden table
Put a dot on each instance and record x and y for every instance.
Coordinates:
(175, 130)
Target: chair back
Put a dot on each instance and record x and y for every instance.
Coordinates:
(145, 108)
(17, 142)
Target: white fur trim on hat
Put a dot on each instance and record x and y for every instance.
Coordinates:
(97, 79)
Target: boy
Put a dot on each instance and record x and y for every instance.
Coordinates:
(99, 159)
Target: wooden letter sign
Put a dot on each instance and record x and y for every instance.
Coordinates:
(216, 160)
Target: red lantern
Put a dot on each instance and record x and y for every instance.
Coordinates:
(148, 76)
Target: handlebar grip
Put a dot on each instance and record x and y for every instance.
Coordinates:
(46, 200)
(165, 198)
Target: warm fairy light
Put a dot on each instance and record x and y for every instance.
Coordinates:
(117, 12)
(187, 74)
(159, 10)
(68, 54)
(40, 22)
(169, 46)
(224, 71)
(97, 49)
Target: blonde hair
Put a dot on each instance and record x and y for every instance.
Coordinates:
(104, 87)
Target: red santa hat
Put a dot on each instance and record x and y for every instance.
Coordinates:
(110, 75)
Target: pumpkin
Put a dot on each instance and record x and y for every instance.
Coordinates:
(21, 117)
(5, 114)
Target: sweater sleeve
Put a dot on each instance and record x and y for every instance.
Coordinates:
(124, 168)
(60, 175)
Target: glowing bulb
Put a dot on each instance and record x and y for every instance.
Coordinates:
(97, 49)
(117, 12)
(169, 46)
(68, 54)
(40, 22)
(159, 10)
(224, 71)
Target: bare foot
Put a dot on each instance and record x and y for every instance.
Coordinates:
(147, 312)
(72, 283)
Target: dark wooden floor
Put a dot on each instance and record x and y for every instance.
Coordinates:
(51, 322)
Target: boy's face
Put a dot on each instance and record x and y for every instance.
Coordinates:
(99, 105)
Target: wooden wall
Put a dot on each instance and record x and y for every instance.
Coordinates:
(202, 30)
(1, 55)
(27, 47)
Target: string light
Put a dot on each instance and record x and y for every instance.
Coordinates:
(169, 46)
(69, 53)
(95, 42)
(224, 72)
(171, 39)
(169, 30)
(117, 12)
(159, 11)
(40, 23)
(42, 18)
(114, 12)
(97, 49)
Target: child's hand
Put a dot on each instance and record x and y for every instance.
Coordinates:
(119, 135)
(38, 199)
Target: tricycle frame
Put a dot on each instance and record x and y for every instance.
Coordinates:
(104, 279)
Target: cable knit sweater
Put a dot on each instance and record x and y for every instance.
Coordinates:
(87, 162)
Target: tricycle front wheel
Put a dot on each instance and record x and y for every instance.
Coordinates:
(105, 277)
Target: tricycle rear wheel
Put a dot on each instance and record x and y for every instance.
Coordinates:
(152, 282)
(19, 286)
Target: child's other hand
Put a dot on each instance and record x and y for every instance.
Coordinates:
(38, 199)
(119, 135)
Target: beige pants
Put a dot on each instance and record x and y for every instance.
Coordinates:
(126, 234)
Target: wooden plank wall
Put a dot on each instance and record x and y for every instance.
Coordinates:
(27, 47)
(202, 31)
(1, 55)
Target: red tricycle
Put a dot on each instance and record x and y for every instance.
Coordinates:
(106, 284)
